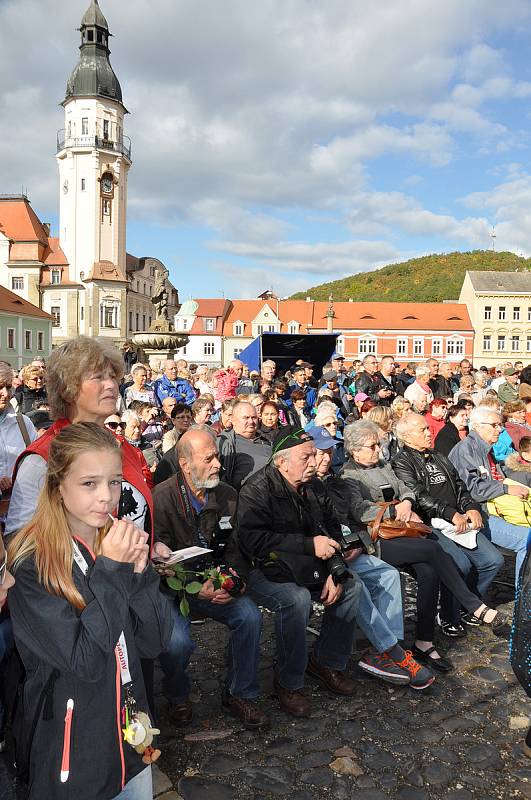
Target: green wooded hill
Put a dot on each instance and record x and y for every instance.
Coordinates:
(422, 280)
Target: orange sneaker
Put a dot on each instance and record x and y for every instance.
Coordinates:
(419, 677)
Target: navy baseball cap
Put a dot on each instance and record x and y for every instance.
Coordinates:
(321, 438)
(337, 357)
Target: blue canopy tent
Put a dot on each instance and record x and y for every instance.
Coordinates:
(286, 348)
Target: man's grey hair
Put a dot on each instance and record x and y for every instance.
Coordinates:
(479, 414)
(185, 448)
(280, 455)
(357, 433)
(369, 355)
(404, 423)
(269, 362)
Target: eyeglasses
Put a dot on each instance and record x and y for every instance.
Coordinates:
(373, 446)
(3, 570)
(114, 425)
(493, 424)
(330, 425)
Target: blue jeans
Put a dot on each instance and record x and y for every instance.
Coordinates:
(478, 567)
(292, 605)
(6, 646)
(245, 622)
(380, 614)
(138, 788)
(513, 537)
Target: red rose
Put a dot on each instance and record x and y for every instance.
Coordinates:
(227, 584)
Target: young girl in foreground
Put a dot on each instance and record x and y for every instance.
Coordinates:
(85, 608)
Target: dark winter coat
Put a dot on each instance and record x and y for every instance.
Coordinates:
(446, 439)
(50, 633)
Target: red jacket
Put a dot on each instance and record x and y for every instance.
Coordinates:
(135, 470)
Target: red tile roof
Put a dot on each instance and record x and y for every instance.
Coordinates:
(17, 305)
(106, 271)
(53, 255)
(18, 221)
(210, 309)
(358, 316)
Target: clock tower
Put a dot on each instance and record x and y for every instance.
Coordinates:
(94, 157)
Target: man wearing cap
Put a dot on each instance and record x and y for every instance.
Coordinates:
(300, 381)
(339, 391)
(380, 616)
(508, 391)
(338, 364)
(288, 531)
(313, 383)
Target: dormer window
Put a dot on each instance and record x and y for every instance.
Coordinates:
(238, 329)
(90, 36)
(210, 324)
(55, 277)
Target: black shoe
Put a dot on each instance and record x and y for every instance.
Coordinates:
(440, 664)
(470, 619)
(450, 630)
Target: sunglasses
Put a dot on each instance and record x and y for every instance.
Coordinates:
(114, 425)
(3, 570)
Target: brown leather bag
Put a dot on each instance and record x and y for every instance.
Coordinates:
(395, 529)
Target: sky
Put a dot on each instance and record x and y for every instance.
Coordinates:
(279, 144)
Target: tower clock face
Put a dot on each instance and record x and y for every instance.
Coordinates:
(106, 184)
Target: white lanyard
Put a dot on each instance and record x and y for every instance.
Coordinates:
(121, 646)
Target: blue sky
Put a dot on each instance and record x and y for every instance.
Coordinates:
(283, 143)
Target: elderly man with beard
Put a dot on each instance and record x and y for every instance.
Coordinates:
(193, 508)
(288, 532)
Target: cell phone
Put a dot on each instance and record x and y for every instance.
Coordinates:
(388, 492)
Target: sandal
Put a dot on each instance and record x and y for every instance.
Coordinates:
(498, 621)
(440, 664)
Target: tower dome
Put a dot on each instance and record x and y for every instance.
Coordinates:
(93, 75)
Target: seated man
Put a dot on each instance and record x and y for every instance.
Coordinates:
(288, 531)
(241, 450)
(189, 508)
(482, 476)
(441, 494)
(380, 614)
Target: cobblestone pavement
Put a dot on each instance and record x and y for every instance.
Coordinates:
(459, 739)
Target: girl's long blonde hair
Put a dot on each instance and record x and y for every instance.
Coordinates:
(47, 537)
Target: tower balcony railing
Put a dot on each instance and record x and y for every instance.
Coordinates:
(122, 146)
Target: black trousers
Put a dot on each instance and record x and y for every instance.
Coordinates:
(430, 565)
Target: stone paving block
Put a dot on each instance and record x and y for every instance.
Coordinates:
(161, 782)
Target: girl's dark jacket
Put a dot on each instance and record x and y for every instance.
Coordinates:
(446, 439)
(50, 633)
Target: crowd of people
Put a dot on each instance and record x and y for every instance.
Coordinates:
(301, 490)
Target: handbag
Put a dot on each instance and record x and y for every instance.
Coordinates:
(302, 569)
(394, 528)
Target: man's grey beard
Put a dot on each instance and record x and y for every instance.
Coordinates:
(203, 483)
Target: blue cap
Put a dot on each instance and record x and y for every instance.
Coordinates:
(322, 439)
(337, 357)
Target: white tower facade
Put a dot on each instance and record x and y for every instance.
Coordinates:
(94, 157)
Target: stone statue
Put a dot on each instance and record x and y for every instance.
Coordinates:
(160, 295)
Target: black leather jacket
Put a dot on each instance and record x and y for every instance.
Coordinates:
(410, 466)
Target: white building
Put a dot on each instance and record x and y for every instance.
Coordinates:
(202, 321)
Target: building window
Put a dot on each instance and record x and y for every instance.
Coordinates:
(487, 314)
(293, 327)
(238, 329)
(237, 351)
(210, 324)
(109, 314)
(137, 317)
(17, 284)
(27, 340)
(144, 288)
(84, 126)
(501, 342)
(69, 134)
(55, 311)
(10, 338)
(81, 313)
(486, 343)
(259, 330)
(83, 184)
(106, 129)
(528, 344)
(40, 340)
(184, 324)
(367, 347)
(340, 345)
(436, 347)
(143, 322)
(130, 320)
(455, 347)
(516, 314)
(149, 322)
(501, 314)
(401, 347)
(515, 343)
(106, 208)
(208, 348)
(529, 314)
(56, 277)
(418, 347)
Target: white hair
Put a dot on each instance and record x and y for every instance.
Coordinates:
(421, 371)
(356, 434)
(404, 423)
(130, 416)
(479, 414)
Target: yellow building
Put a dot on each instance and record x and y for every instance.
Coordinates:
(499, 306)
